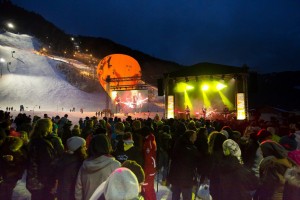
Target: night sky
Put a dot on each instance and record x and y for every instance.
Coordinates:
(264, 34)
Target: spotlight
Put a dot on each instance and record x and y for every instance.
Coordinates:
(189, 87)
(220, 86)
(205, 87)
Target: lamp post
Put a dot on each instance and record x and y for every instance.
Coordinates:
(10, 26)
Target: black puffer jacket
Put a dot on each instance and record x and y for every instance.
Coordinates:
(40, 171)
(66, 171)
(183, 164)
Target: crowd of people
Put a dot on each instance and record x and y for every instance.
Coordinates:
(111, 158)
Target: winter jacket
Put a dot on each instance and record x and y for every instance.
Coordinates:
(149, 152)
(40, 171)
(66, 172)
(129, 152)
(292, 184)
(229, 179)
(92, 173)
(184, 160)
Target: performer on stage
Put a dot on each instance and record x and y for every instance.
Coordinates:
(187, 112)
(204, 112)
(118, 103)
(225, 111)
(135, 100)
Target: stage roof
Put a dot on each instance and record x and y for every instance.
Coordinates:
(208, 69)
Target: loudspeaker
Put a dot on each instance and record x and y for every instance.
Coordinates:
(253, 82)
(160, 87)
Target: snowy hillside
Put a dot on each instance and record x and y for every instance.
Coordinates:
(32, 80)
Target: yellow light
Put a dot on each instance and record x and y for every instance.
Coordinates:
(189, 87)
(205, 87)
(220, 86)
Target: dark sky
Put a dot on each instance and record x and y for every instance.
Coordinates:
(264, 34)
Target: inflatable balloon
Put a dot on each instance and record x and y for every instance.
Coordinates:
(118, 66)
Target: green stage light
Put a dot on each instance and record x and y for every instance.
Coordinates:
(189, 87)
(220, 86)
(205, 87)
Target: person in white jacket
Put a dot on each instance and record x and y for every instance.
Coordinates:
(96, 169)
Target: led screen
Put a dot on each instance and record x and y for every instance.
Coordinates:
(130, 101)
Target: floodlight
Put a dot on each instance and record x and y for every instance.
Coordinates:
(220, 86)
(205, 87)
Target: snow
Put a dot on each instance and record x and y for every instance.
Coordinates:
(32, 80)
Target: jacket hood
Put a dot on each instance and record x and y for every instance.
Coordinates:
(92, 165)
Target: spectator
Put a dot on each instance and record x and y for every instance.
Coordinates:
(12, 165)
(121, 184)
(184, 160)
(68, 166)
(41, 155)
(149, 152)
(96, 168)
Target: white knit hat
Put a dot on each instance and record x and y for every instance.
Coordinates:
(230, 147)
(121, 184)
(73, 143)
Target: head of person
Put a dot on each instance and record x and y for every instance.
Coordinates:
(77, 145)
(192, 125)
(180, 128)
(119, 128)
(3, 136)
(189, 136)
(215, 142)
(166, 128)
(263, 135)
(289, 142)
(24, 137)
(127, 138)
(136, 125)
(42, 128)
(146, 130)
(136, 169)
(100, 145)
(231, 148)
(121, 184)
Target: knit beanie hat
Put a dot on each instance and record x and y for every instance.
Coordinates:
(74, 143)
(288, 142)
(224, 132)
(136, 169)
(230, 147)
(100, 145)
(121, 184)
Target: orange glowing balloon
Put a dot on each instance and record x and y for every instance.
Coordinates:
(118, 66)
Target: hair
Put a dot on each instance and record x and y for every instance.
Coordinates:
(42, 128)
(202, 131)
(80, 153)
(185, 138)
(215, 142)
(120, 127)
(136, 169)
(127, 136)
(136, 124)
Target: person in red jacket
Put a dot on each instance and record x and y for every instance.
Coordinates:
(149, 152)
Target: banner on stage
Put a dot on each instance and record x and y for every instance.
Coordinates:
(241, 111)
(170, 113)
